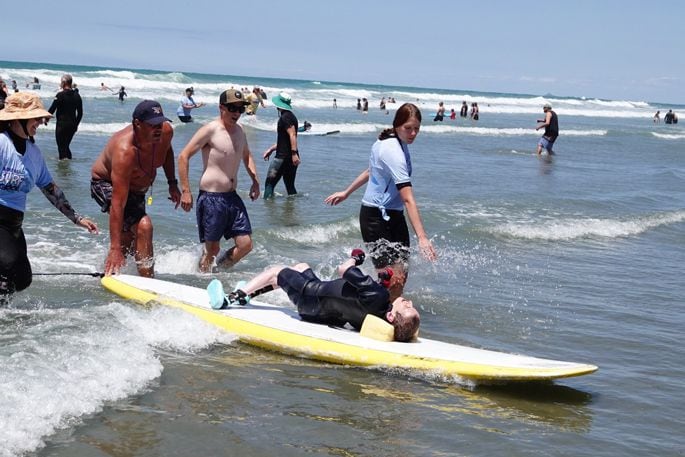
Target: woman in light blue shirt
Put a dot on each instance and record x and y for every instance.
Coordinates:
(389, 192)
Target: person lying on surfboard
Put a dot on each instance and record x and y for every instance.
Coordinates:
(337, 302)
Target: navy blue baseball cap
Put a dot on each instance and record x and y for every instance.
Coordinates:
(149, 111)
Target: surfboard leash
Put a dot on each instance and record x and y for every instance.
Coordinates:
(96, 274)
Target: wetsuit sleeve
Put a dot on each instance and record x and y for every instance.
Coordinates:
(371, 294)
(55, 195)
(55, 103)
(79, 109)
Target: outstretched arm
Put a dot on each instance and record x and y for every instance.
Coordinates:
(425, 245)
(339, 197)
(55, 195)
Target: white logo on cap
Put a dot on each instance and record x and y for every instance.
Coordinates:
(157, 110)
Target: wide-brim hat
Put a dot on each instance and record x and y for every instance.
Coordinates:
(282, 101)
(23, 105)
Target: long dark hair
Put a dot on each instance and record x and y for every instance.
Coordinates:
(403, 114)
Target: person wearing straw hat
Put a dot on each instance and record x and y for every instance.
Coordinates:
(287, 157)
(23, 167)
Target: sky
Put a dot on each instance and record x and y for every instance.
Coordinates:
(609, 49)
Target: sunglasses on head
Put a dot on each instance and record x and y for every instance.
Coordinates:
(234, 108)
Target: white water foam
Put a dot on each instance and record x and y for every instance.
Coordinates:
(669, 136)
(63, 364)
(318, 234)
(569, 229)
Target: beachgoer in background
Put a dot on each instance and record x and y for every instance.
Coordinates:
(287, 155)
(670, 117)
(254, 100)
(68, 109)
(122, 93)
(34, 84)
(365, 106)
(382, 104)
(475, 114)
(359, 104)
(551, 125)
(657, 118)
(440, 115)
(187, 105)
(103, 87)
(347, 300)
(122, 175)
(220, 210)
(307, 126)
(335, 103)
(388, 193)
(23, 167)
(3, 93)
(453, 114)
(464, 112)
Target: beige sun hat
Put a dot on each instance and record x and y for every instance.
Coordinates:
(23, 105)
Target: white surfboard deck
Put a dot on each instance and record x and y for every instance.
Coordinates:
(280, 329)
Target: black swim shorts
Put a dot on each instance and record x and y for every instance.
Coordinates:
(134, 211)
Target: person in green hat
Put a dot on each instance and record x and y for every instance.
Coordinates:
(287, 157)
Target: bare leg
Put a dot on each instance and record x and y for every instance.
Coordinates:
(208, 256)
(144, 254)
(243, 246)
(269, 277)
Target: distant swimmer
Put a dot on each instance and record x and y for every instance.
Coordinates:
(475, 112)
(441, 113)
(551, 125)
(670, 118)
(453, 114)
(335, 103)
(255, 100)
(187, 104)
(464, 112)
(122, 93)
(103, 87)
(35, 84)
(359, 104)
(68, 107)
(305, 128)
(365, 106)
(657, 117)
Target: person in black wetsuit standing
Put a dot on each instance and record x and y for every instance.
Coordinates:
(69, 111)
(551, 125)
(348, 299)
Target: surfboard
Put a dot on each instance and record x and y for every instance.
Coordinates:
(280, 329)
(315, 133)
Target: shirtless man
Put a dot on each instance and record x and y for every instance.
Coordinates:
(220, 211)
(121, 177)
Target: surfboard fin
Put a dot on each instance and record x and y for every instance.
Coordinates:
(217, 297)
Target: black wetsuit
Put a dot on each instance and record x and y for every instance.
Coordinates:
(69, 108)
(552, 129)
(668, 118)
(346, 300)
(15, 269)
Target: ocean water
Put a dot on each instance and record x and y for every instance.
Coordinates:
(578, 257)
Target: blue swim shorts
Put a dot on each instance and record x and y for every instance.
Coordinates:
(221, 214)
(546, 143)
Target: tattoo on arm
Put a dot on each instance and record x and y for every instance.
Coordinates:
(55, 195)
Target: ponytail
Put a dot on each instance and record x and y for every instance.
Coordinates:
(403, 114)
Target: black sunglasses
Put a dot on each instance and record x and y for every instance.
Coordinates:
(234, 108)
